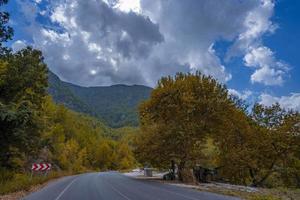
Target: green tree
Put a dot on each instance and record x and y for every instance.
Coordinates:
(14, 121)
(6, 32)
(24, 78)
(23, 84)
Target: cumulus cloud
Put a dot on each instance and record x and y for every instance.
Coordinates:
(128, 5)
(256, 23)
(18, 45)
(269, 71)
(102, 42)
(99, 48)
(288, 102)
(244, 95)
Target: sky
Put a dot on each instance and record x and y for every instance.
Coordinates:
(249, 45)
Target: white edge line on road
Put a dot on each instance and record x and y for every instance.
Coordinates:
(120, 193)
(62, 192)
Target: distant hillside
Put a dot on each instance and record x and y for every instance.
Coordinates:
(116, 104)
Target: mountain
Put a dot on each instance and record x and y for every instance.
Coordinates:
(116, 105)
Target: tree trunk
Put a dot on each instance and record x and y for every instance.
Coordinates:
(181, 167)
(256, 182)
(252, 175)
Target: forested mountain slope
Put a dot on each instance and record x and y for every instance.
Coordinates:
(116, 104)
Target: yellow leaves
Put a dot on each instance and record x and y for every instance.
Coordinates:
(125, 157)
(81, 161)
(180, 114)
(77, 141)
(210, 154)
(185, 110)
(68, 154)
(3, 69)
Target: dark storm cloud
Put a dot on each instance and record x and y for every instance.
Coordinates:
(98, 44)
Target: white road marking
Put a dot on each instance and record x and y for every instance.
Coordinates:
(116, 190)
(120, 193)
(62, 192)
(162, 189)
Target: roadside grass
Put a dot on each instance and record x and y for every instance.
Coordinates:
(250, 196)
(278, 193)
(10, 183)
(263, 194)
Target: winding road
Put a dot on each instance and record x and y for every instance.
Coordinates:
(115, 186)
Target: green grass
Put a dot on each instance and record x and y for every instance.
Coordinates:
(263, 197)
(10, 183)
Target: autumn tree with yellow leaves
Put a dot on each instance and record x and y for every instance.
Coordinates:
(187, 111)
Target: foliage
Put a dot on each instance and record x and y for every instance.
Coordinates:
(6, 32)
(62, 94)
(176, 121)
(191, 120)
(255, 147)
(263, 197)
(19, 182)
(22, 91)
(116, 105)
(83, 140)
(23, 78)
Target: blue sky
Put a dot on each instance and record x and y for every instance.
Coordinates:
(251, 46)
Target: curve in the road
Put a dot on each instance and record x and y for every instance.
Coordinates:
(115, 186)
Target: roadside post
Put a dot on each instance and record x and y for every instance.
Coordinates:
(148, 172)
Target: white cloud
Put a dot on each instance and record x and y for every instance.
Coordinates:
(258, 57)
(53, 36)
(256, 23)
(147, 39)
(268, 76)
(129, 5)
(244, 95)
(18, 45)
(269, 71)
(288, 102)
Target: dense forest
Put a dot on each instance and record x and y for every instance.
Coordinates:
(116, 105)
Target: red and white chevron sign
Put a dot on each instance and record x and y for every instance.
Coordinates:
(40, 166)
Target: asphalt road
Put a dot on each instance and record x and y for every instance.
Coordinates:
(115, 186)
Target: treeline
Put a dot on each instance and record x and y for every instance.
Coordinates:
(191, 120)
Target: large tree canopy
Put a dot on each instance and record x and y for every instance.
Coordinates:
(181, 112)
(186, 111)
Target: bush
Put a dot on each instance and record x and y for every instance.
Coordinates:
(5, 175)
(19, 182)
(264, 197)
